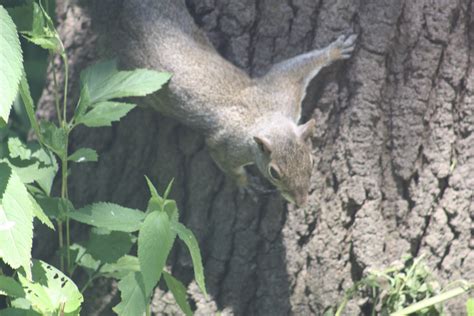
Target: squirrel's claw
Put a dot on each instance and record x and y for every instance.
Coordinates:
(345, 45)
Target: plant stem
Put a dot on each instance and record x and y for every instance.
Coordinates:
(56, 95)
(61, 243)
(64, 195)
(66, 74)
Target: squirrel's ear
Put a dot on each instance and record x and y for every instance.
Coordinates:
(263, 144)
(307, 129)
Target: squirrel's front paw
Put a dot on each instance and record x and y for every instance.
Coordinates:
(344, 46)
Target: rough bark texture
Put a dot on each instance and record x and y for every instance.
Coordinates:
(394, 149)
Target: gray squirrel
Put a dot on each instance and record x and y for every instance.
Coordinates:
(244, 120)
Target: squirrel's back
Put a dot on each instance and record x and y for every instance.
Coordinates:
(182, 49)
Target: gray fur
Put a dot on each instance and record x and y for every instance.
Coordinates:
(231, 109)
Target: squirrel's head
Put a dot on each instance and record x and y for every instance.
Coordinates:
(284, 158)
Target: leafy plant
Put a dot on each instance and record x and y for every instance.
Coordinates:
(407, 288)
(27, 172)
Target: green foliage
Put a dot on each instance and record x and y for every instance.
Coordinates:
(470, 307)
(109, 216)
(106, 82)
(27, 172)
(51, 291)
(179, 292)
(16, 220)
(10, 287)
(43, 32)
(155, 234)
(133, 298)
(104, 113)
(188, 237)
(407, 288)
(10, 63)
(108, 246)
(84, 155)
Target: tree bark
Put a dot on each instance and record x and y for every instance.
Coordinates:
(394, 151)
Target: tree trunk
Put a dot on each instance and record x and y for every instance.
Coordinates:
(394, 151)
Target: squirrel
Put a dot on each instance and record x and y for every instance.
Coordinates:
(244, 120)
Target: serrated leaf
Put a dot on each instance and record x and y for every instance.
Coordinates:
(54, 137)
(189, 239)
(105, 82)
(108, 247)
(17, 149)
(39, 214)
(179, 292)
(104, 113)
(132, 293)
(40, 168)
(121, 268)
(51, 291)
(470, 307)
(16, 220)
(10, 287)
(155, 240)
(25, 94)
(11, 60)
(109, 216)
(84, 155)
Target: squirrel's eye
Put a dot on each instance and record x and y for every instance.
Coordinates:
(274, 173)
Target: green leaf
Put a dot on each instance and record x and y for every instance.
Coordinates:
(40, 168)
(10, 63)
(16, 220)
(54, 137)
(22, 15)
(18, 312)
(155, 240)
(179, 292)
(171, 209)
(109, 216)
(154, 193)
(105, 82)
(51, 291)
(168, 189)
(55, 208)
(110, 246)
(470, 307)
(104, 113)
(121, 268)
(43, 32)
(47, 169)
(10, 287)
(132, 292)
(83, 259)
(190, 240)
(84, 102)
(84, 155)
(156, 201)
(17, 149)
(28, 102)
(38, 212)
